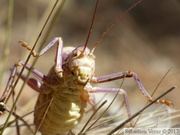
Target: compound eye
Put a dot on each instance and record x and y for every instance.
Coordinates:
(76, 53)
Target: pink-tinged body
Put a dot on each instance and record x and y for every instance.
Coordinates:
(68, 96)
(64, 92)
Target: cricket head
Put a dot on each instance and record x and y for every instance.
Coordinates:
(82, 64)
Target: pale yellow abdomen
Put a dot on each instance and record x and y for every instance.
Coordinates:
(65, 111)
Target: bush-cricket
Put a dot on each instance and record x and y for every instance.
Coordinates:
(68, 87)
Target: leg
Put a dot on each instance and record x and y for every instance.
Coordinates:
(5, 96)
(116, 90)
(58, 59)
(127, 74)
(35, 84)
(7, 91)
(9, 84)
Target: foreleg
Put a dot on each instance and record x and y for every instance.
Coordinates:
(35, 84)
(58, 59)
(127, 74)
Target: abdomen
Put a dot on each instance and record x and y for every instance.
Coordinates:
(64, 112)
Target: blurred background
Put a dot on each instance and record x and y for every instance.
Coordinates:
(146, 41)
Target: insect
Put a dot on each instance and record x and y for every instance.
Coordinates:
(66, 89)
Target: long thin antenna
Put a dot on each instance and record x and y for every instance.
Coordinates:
(114, 22)
(90, 28)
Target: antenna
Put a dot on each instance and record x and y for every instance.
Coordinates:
(114, 22)
(90, 28)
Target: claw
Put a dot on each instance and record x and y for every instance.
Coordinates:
(163, 101)
(167, 102)
(25, 45)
